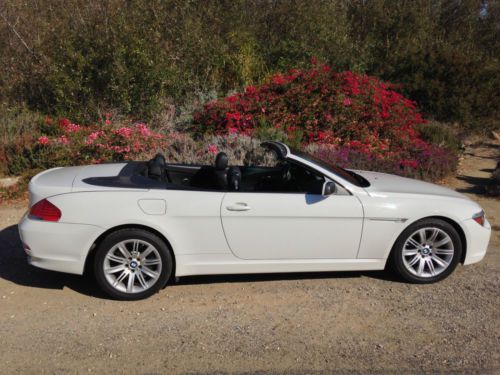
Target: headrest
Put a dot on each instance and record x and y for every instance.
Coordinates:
(156, 167)
(159, 159)
(221, 161)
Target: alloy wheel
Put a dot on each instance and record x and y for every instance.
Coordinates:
(132, 266)
(428, 252)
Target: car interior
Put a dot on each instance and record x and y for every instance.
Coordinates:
(282, 176)
(285, 176)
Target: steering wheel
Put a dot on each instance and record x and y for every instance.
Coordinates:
(286, 174)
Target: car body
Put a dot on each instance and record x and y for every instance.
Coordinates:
(337, 220)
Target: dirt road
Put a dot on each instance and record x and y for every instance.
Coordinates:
(306, 323)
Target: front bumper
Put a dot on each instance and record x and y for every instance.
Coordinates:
(59, 247)
(478, 238)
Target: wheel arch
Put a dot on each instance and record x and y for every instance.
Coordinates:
(102, 236)
(460, 232)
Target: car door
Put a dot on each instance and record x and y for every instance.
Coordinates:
(191, 220)
(281, 221)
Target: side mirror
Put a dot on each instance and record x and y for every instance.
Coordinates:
(329, 188)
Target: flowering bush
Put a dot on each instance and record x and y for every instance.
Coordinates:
(355, 114)
(354, 120)
(102, 142)
(433, 164)
(66, 143)
(241, 150)
(62, 142)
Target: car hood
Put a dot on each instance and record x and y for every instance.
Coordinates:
(387, 183)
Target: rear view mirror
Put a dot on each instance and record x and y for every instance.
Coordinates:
(329, 188)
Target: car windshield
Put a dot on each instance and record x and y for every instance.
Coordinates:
(347, 175)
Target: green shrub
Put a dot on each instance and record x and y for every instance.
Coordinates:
(440, 134)
(18, 190)
(18, 128)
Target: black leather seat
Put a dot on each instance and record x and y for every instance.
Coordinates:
(221, 163)
(157, 168)
(213, 177)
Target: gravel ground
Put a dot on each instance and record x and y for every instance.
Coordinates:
(296, 324)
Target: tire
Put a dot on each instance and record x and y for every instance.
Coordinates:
(132, 264)
(430, 259)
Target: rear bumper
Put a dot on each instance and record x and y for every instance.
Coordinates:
(478, 238)
(57, 246)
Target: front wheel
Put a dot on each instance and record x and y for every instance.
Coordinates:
(427, 251)
(132, 264)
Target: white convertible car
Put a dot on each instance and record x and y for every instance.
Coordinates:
(138, 224)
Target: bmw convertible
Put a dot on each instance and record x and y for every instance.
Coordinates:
(138, 224)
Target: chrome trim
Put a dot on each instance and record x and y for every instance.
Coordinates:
(395, 219)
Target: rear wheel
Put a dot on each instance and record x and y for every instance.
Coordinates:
(132, 264)
(427, 251)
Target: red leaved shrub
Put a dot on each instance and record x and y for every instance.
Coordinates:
(353, 112)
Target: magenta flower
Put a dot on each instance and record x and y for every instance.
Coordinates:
(212, 149)
(143, 129)
(63, 140)
(43, 140)
(124, 132)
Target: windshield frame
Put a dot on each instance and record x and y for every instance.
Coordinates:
(347, 175)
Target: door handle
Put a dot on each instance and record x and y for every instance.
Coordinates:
(240, 206)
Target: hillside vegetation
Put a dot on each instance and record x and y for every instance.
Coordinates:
(79, 58)
(386, 85)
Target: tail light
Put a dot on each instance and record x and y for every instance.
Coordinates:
(479, 218)
(44, 210)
